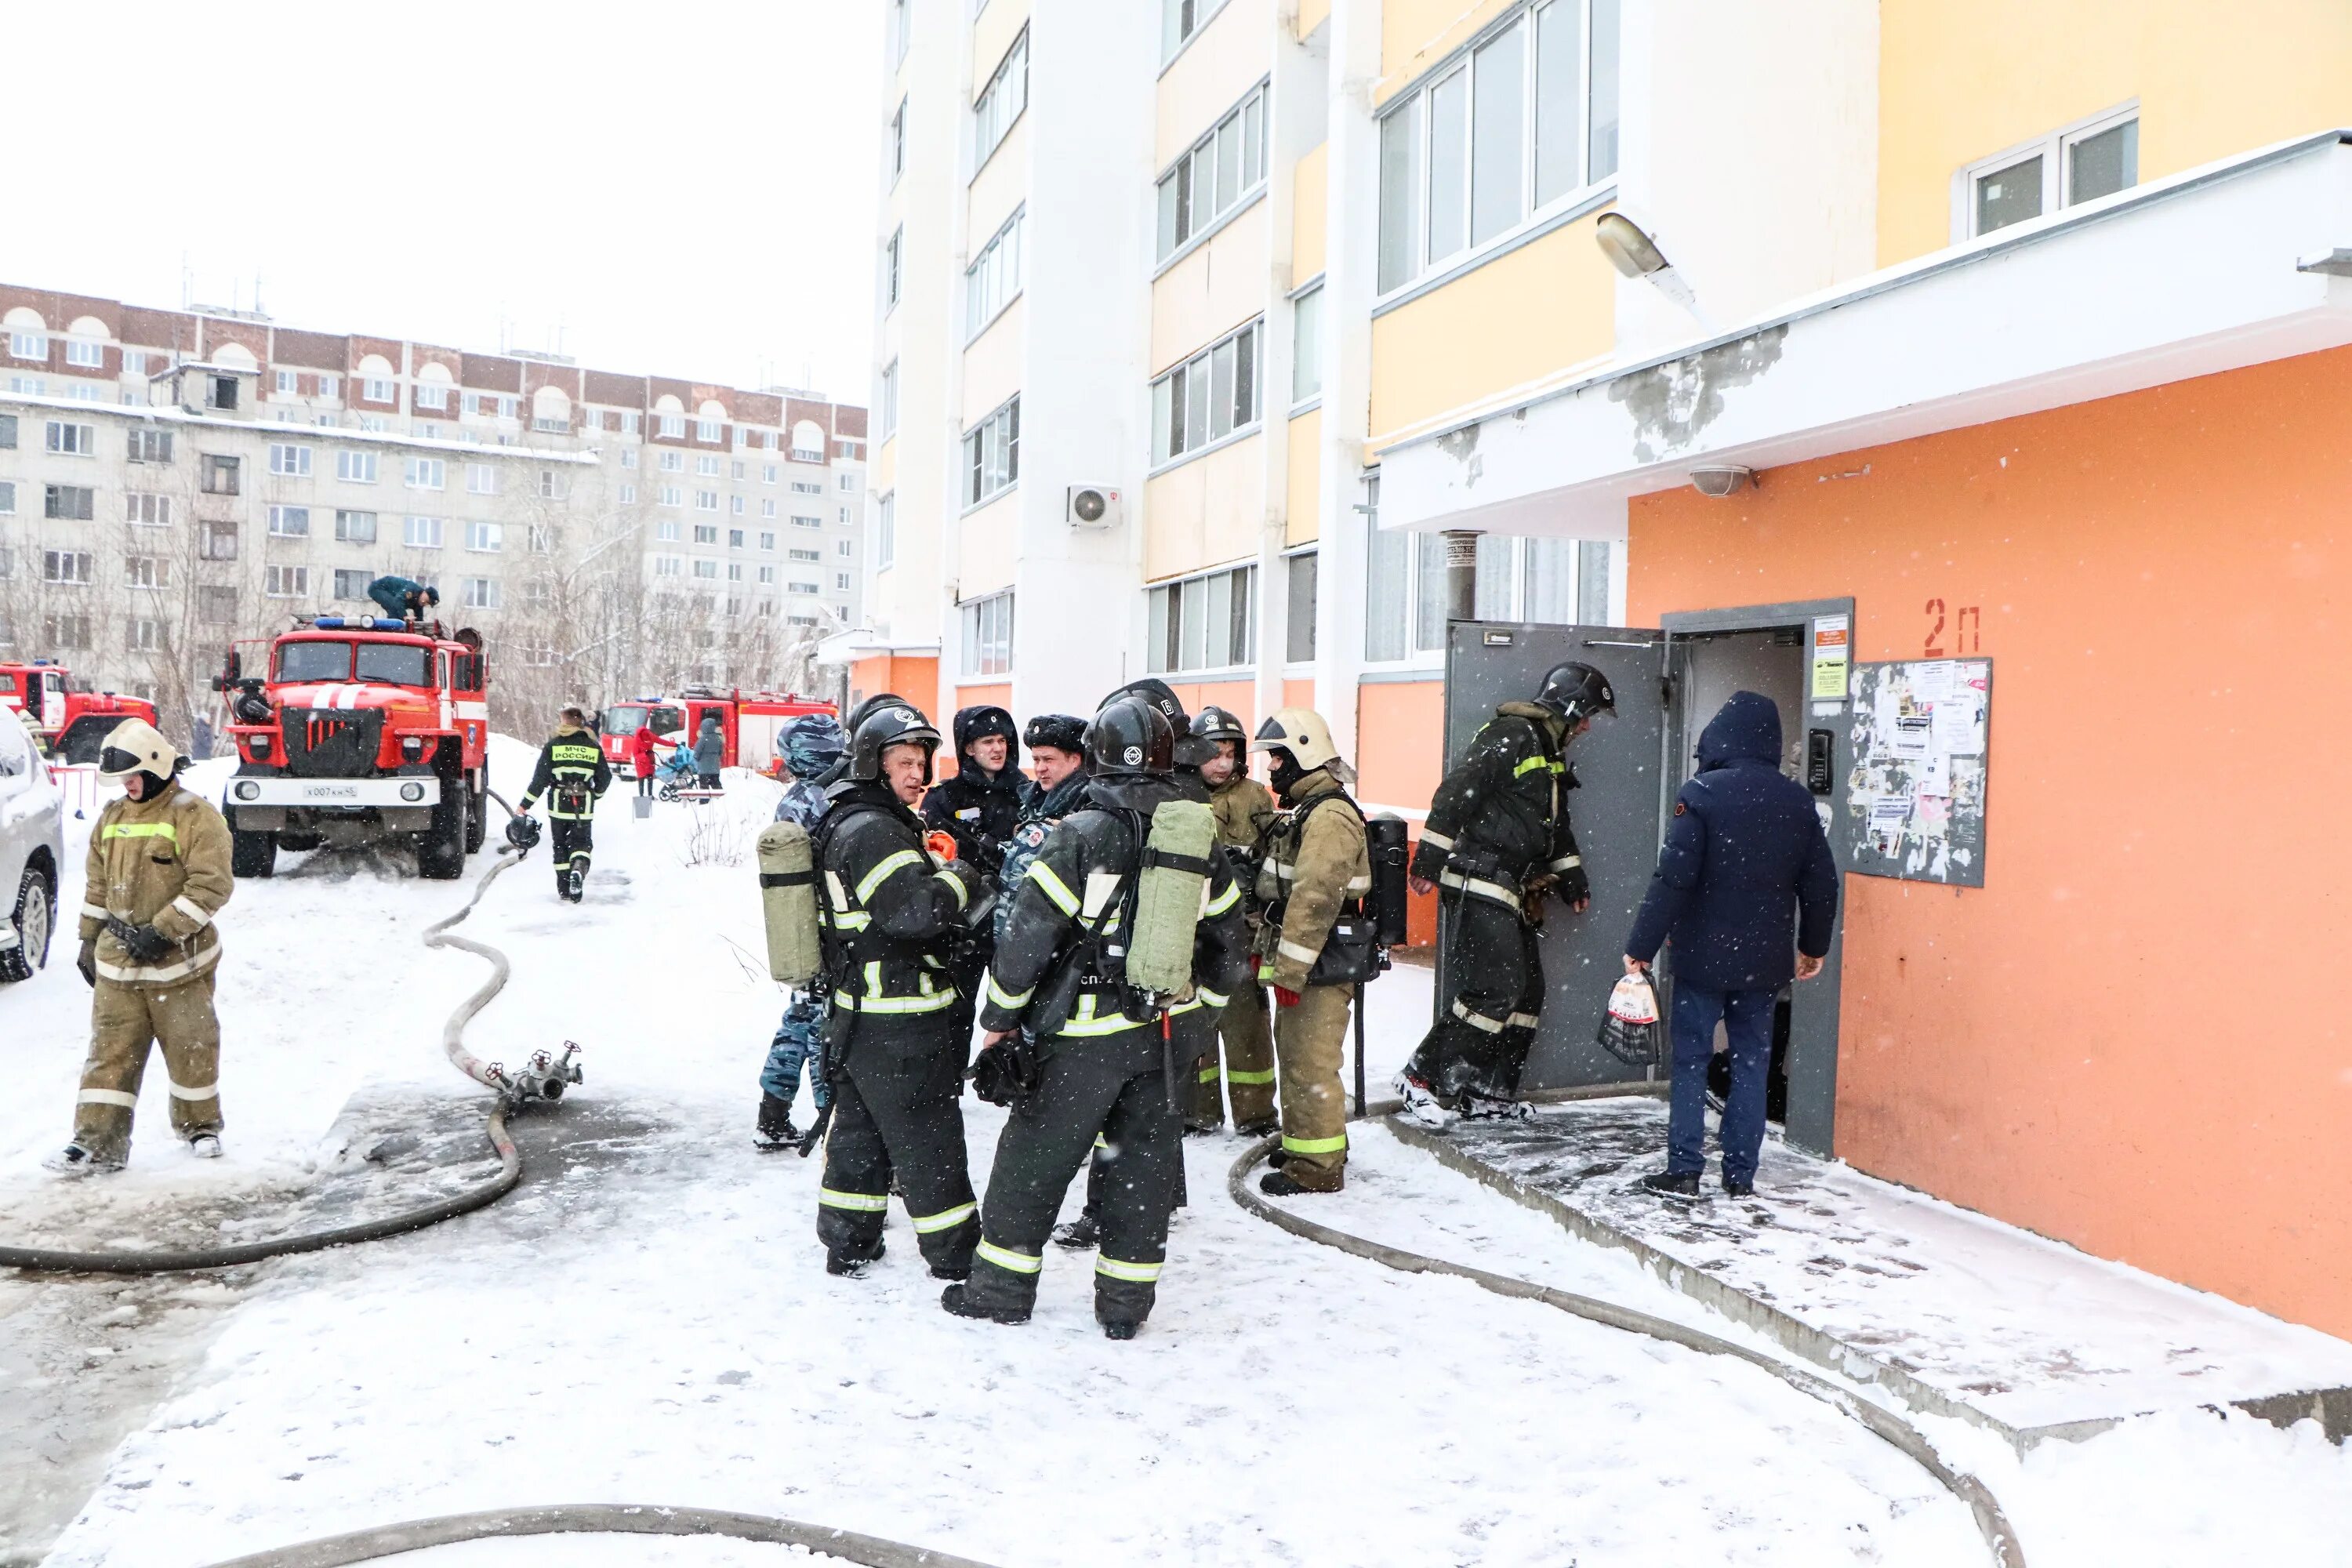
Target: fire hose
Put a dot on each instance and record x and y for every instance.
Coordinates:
(542, 1079)
(2000, 1535)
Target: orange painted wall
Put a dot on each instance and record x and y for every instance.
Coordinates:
(1401, 756)
(2132, 1038)
(912, 678)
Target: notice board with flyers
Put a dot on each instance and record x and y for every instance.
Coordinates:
(1916, 798)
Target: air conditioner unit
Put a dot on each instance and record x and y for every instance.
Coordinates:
(1093, 506)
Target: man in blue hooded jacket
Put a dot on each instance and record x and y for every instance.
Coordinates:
(1745, 884)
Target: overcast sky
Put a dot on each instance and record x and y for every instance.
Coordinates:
(682, 188)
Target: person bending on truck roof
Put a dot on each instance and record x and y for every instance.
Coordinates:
(402, 599)
(573, 775)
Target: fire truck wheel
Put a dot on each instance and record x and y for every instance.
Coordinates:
(252, 854)
(35, 920)
(441, 848)
(478, 811)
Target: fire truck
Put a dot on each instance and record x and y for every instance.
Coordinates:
(71, 721)
(359, 730)
(747, 719)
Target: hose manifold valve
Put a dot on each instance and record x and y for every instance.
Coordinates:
(544, 1077)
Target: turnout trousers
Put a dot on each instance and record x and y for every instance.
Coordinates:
(1247, 1071)
(1487, 1025)
(572, 839)
(125, 1020)
(1109, 1085)
(896, 1108)
(1310, 1039)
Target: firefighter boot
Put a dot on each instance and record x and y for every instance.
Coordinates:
(775, 1130)
(579, 878)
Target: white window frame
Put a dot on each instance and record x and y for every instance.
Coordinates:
(427, 474)
(422, 532)
(888, 401)
(376, 389)
(673, 426)
(286, 582)
(885, 531)
(85, 354)
(992, 456)
(1181, 225)
(485, 538)
(66, 438)
(891, 254)
(481, 478)
(481, 594)
(709, 430)
(1180, 22)
(898, 143)
(999, 106)
(1200, 369)
(987, 625)
(290, 523)
(29, 345)
(348, 532)
(356, 466)
(288, 460)
(1177, 591)
(993, 279)
(2055, 151)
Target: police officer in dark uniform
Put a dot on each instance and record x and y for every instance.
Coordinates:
(890, 917)
(1077, 1053)
(1496, 843)
(982, 804)
(573, 775)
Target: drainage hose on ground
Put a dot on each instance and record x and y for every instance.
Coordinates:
(2000, 1535)
(193, 1259)
(597, 1519)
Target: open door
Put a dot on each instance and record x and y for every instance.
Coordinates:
(1615, 811)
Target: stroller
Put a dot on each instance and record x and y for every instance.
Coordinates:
(675, 773)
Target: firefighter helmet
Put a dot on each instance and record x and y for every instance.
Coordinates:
(1576, 692)
(1156, 694)
(1213, 723)
(1302, 732)
(135, 746)
(884, 728)
(1130, 735)
(522, 832)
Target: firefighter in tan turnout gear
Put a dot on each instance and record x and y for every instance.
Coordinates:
(1315, 946)
(157, 873)
(1245, 809)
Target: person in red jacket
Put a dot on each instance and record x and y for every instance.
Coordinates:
(641, 757)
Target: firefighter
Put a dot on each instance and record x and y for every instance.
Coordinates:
(1081, 1053)
(157, 873)
(1497, 844)
(573, 775)
(402, 599)
(1244, 810)
(892, 915)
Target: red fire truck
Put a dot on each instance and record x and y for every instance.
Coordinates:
(747, 719)
(358, 730)
(71, 721)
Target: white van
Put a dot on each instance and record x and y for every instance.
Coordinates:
(32, 851)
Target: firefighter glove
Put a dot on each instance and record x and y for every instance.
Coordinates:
(144, 943)
(1284, 997)
(1575, 887)
(87, 963)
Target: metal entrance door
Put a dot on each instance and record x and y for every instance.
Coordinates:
(1615, 812)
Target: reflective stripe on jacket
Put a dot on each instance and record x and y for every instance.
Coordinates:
(1316, 862)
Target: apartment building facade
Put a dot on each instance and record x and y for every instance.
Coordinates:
(1382, 315)
(173, 479)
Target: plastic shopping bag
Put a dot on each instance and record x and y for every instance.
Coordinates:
(1629, 1029)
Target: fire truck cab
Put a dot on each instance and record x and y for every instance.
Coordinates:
(748, 721)
(70, 721)
(358, 730)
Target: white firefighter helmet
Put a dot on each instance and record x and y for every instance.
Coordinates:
(135, 746)
(1302, 732)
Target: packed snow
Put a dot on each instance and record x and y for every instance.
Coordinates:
(648, 1320)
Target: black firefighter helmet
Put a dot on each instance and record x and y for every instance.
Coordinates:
(1576, 692)
(1158, 695)
(1214, 724)
(1131, 736)
(898, 725)
(522, 832)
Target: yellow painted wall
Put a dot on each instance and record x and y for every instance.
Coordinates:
(992, 33)
(1304, 521)
(1312, 14)
(1223, 61)
(1002, 185)
(1521, 317)
(882, 473)
(1958, 83)
(1204, 512)
(1214, 290)
(1310, 179)
(990, 545)
(993, 364)
(1416, 34)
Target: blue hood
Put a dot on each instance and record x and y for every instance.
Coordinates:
(1747, 729)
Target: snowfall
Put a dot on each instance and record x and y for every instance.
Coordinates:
(648, 1320)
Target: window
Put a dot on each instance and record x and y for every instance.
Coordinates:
(217, 607)
(706, 500)
(8, 499)
(421, 533)
(706, 533)
(426, 473)
(804, 554)
(672, 495)
(890, 271)
(673, 462)
(219, 541)
(350, 584)
(628, 495)
(987, 634)
(509, 407)
(290, 521)
(898, 142)
(1300, 572)
(631, 425)
(992, 455)
(802, 519)
(69, 503)
(142, 510)
(72, 440)
(666, 531)
(768, 576)
(1211, 179)
(485, 536)
(1202, 623)
(735, 469)
(220, 475)
(708, 430)
(25, 385)
(1556, 580)
(146, 572)
(797, 586)
(707, 466)
(845, 547)
(66, 566)
(2094, 159)
(1306, 345)
(841, 581)
(734, 539)
(84, 352)
(767, 541)
(994, 281)
(66, 631)
(707, 570)
(1207, 398)
(357, 468)
(481, 478)
(1524, 118)
(431, 394)
(355, 527)
(628, 456)
(554, 486)
(286, 582)
(901, 26)
(134, 361)
(375, 389)
(9, 434)
(542, 538)
(889, 400)
(669, 565)
(673, 425)
(482, 594)
(767, 509)
(142, 636)
(734, 571)
(291, 461)
(29, 345)
(330, 386)
(886, 532)
(1180, 20)
(1001, 102)
(768, 470)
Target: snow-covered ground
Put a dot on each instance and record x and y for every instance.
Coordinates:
(652, 1322)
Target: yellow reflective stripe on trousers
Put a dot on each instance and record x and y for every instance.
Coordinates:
(1313, 1145)
(1054, 887)
(1134, 1273)
(1209, 1074)
(1236, 1075)
(1006, 1258)
(864, 1203)
(946, 1219)
(882, 869)
(139, 830)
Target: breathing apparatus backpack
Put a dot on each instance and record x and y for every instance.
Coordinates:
(788, 899)
(1170, 891)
